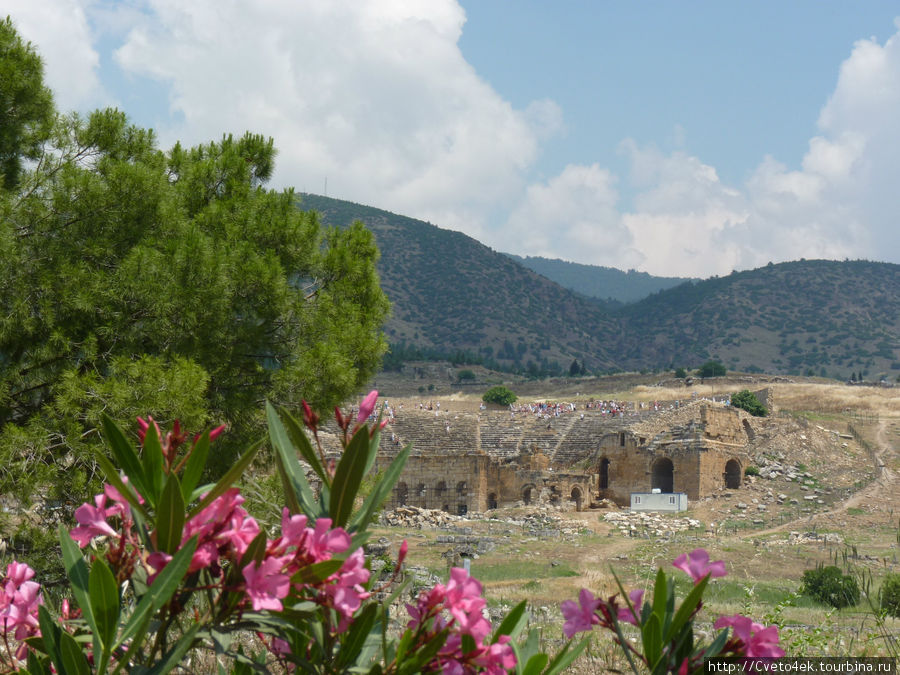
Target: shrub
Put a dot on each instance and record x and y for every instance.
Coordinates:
(499, 394)
(890, 595)
(711, 369)
(751, 471)
(746, 400)
(830, 586)
(680, 373)
(467, 375)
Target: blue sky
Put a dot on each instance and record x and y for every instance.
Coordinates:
(687, 138)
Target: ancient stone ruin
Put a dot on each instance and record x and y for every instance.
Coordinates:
(462, 463)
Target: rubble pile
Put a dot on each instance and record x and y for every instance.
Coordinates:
(417, 518)
(631, 523)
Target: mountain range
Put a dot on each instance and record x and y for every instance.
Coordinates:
(452, 297)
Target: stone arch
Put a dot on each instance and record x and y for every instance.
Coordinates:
(576, 497)
(732, 474)
(528, 493)
(462, 488)
(440, 490)
(492, 500)
(662, 475)
(402, 494)
(604, 473)
(420, 494)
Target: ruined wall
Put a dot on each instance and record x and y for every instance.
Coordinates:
(454, 483)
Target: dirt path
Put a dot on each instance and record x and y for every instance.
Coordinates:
(881, 489)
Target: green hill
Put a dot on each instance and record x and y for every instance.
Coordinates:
(457, 299)
(603, 283)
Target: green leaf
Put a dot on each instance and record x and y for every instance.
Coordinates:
(535, 664)
(152, 461)
(297, 492)
(170, 516)
(228, 479)
(37, 665)
(125, 489)
(256, 550)
(161, 590)
(565, 657)
(512, 623)
(348, 477)
(193, 468)
(317, 572)
(353, 641)
(125, 455)
(172, 658)
(651, 636)
(105, 606)
(525, 651)
(79, 575)
(688, 606)
(51, 632)
(381, 490)
(301, 443)
(660, 597)
(74, 661)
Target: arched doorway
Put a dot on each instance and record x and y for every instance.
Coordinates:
(526, 494)
(492, 500)
(732, 474)
(402, 494)
(662, 475)
(576, 497)
(420, 495)
(604, 473)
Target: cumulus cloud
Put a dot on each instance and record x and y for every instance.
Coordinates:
(61, 33)
(373, 97)
(572, 212)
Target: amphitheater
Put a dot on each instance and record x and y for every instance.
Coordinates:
(465, 462)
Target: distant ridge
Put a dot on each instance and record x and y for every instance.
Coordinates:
(452, 295)
(603, 283)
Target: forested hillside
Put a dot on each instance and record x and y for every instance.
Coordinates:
(452, 294)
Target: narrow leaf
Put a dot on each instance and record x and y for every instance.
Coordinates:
(651, 636)
(73, 659)
(565, 657)
(104, 603)
(535, 664)
(317, 572)
(79, 575)
(125, 489)
(228, 479)
(193, 469)
(512, 623)
(50, 631)
(170, 516)
(348, 477)
(124, 453)
(161, 590)
(688, 605)
(173, 657)
(354, 640)
(301, 442)
(381, 490)
(152, 461)
(297, 491)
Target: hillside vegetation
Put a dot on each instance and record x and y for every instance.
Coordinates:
(452, 295)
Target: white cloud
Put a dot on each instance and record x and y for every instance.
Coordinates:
(62, 36)
(373, 96)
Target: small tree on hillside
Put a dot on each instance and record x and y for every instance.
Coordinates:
(746, 400)
(680, 373)
(711, 369)
(499, 394)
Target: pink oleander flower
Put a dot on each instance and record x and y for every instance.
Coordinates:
(496, 659)
(92, 520)
(367, 406)
(625, 614)
(758, 640)
(19, 603)
(697, 564)
(463, 599)
(580, 616)
(266, 585)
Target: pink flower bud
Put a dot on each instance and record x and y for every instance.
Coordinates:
(401, 556)
(367, 406)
